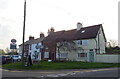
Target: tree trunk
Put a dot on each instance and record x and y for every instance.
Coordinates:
(58, 54)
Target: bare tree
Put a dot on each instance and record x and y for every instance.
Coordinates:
(7, 50)
(2, 51)
(68, 45)
(113, 43)
(108, 44)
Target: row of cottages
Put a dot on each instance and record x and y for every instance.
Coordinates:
(33, 47)
(81, 44)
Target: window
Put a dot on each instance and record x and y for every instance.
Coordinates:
(82, 42)
(82, 54)
(63, 55)
(82, 31)
(91, 49)
(46, 55)
(79, 42)
(46, 48)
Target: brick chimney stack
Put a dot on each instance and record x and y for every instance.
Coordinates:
(42, 35)
(51, 30)
(79, 26)
(31, 37)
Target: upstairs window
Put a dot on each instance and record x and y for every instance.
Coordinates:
(82, 42)
(79, 42)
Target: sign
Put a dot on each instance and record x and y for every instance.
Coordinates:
(13, 40)
(12, 46)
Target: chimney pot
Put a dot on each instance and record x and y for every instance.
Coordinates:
(42, 35)
(79, 26)
(51, 30)
(31, 38)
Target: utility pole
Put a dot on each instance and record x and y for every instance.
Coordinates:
(24, 31)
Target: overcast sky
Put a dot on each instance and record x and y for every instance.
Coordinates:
(60, 14)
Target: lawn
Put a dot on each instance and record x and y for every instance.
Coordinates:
(59, 65)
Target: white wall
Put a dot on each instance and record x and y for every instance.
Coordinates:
(107, 58)
(101, 41)
(20, 50)
(33, 49)
(91, 44)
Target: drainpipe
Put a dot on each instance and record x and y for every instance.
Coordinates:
(98, 42)
(96, 45)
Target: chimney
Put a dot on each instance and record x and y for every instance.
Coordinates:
(42, 35)
(79, 26)
(31, 38)
(51, 30)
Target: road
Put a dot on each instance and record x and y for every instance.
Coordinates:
(104, 72)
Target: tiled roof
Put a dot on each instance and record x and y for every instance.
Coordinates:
(38, 40)
(74, 34)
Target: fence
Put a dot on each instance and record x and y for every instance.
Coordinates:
(107, 58)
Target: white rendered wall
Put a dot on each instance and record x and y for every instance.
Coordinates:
(107, 58)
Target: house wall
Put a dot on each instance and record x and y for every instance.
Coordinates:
(20, 51)
(73, 55)
(86, 59)
(33, 49)
(92, 44)
(100, 42)
(107, 58)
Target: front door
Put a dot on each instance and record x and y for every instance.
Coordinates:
(91, 56)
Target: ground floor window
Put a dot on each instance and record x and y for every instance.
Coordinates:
(46, 55)
(82, 54)
(63, 55)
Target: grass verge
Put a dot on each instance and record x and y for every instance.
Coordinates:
(59, 65)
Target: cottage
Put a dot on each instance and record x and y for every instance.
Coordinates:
(33, 47)
(81, 44)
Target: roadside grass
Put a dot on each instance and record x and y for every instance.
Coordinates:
(59, 65)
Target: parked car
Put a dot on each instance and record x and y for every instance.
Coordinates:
(15, 58)
(19, 57)
(3, 59)
(8, 58)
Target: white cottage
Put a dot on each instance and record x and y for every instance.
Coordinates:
(33, 47)
(81, 44)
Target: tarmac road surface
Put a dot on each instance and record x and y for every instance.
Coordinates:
(104, 72)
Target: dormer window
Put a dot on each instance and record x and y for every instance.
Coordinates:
(82, 31)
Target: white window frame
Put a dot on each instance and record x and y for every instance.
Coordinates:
(63, 55)
(80, 55)
(85, 42)
(46, 55)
